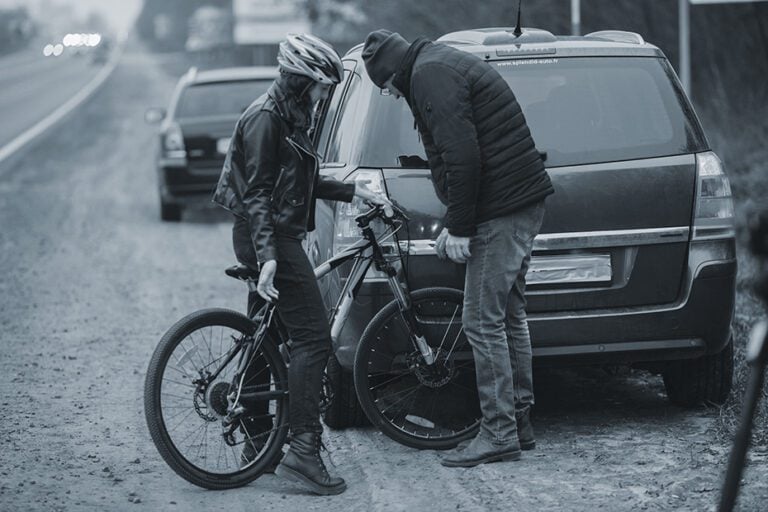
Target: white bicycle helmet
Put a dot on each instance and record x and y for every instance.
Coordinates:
(307, 55)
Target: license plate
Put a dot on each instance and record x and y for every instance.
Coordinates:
(570, 268)
(222, 145)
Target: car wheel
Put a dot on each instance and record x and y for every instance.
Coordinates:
(343, 409)
(170, 212)
(705, 380)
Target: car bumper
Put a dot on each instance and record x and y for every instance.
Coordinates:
(184, 184)
(697, 324)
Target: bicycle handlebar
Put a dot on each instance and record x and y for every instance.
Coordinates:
(379, 211)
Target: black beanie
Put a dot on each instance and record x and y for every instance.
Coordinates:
(382, 53)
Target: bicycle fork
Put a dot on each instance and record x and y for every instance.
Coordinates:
(406, 311)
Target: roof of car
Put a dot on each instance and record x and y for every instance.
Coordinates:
(232, 74)
(496, 43)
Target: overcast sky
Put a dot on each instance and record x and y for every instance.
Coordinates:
(119, 13)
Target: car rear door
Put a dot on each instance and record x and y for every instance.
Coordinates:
(620, 143)
(207, 113)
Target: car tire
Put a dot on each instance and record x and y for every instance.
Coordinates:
(343, 410)
(170, 212)
(705, 380)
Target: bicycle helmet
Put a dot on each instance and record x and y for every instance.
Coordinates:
(310, 56)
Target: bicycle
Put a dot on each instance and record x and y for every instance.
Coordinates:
(220, 377)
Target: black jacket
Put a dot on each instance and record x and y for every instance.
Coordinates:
(270, 176)
(483, 160)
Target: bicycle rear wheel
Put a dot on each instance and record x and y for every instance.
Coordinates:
(184, 406)
(419, 405)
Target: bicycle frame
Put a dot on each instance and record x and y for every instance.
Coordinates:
(362, 262)
(364, 252)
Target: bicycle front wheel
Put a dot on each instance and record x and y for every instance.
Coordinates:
(185, 406)
(422, 406)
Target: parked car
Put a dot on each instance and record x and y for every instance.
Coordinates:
(196, 129)
(635, 263)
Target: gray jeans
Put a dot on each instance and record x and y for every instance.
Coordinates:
(495, 321)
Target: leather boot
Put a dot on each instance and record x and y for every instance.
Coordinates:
(303, 464)
(481, 451)
(525, 429)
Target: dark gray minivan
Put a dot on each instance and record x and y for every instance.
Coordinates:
(635, 262)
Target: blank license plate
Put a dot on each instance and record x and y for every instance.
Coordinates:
(570, 268)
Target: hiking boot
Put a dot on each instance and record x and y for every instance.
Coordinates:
(525, 429)
(303, 464)
(481, 451)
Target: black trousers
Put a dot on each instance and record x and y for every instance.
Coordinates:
(302, 311)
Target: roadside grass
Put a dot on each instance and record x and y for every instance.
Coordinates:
(748, 311)
(741, 146)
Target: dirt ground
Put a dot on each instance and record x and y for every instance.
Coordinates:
(90, 279)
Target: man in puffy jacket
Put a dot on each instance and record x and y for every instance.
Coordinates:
(486, 169)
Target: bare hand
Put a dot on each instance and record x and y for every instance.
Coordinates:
(440, 244)
(457, 248)
(363, 192)
(265, 287)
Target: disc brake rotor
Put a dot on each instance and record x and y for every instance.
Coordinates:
(433, 376)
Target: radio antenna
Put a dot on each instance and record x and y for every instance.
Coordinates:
(518, 29)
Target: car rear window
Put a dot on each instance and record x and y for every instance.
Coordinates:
(580, 110)
(219, 98)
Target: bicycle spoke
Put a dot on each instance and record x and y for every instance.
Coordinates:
(456, 310)
(415, 389)
(163, 393)
(189, 385)
(454, 343)
(266, 367)
(180, 422)
(218, 455)
(194, 432)
(180, 371)
(454, 383)
(388, 381)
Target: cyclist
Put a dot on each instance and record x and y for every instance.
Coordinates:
(270, 181)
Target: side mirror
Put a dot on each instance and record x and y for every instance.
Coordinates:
(154, 115)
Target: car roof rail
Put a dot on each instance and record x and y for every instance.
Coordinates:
(619, 36)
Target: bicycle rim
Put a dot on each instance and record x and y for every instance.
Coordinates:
(423, 406)
(186, 407)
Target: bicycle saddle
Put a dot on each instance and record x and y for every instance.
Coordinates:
(242, 272)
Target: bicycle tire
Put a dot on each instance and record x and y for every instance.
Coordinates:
(371, 343)
(154, 414)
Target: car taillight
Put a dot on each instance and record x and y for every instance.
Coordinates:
(714, 204)
(173, 142)
(346, 231)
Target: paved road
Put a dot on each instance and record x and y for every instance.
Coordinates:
(33, 86)
(90, 279)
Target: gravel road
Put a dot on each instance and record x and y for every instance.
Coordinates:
(90, 279)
